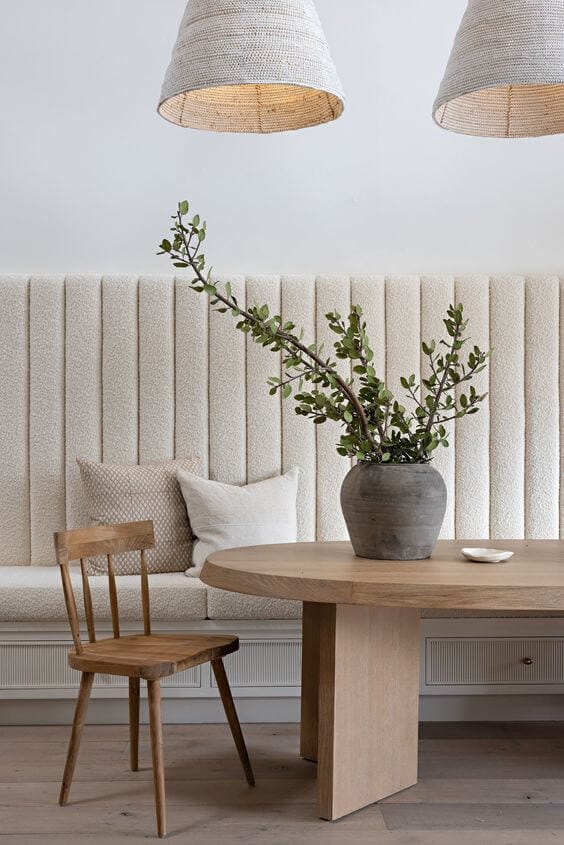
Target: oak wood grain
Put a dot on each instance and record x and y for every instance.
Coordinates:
(533, 579)
(105, 539)
(147, 656)
(134, 723)
(210, 803)
(151, 657)
(368, 705)
(155, 723)
(78, 723)
(87, 598)
(232, 718)
(309, 718)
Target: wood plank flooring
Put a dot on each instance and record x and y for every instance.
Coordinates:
(479, 784)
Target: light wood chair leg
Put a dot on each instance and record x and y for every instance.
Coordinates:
(154, 691)
(134, 723)
(232, 718)
(77, 725)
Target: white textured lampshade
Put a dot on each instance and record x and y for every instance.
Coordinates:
(505, 75)
(251, 66)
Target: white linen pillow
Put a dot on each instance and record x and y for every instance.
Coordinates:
(224, 516)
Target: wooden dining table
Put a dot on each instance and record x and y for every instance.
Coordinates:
(361, 647)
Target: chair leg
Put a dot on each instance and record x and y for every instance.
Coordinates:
(154, 691)
(77, 725)
(134, 723)
(232, 718)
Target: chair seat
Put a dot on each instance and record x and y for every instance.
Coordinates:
(153, 656)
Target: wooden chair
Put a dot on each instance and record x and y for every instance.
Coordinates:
(148, 656)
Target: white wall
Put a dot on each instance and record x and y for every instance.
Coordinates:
(89, 173)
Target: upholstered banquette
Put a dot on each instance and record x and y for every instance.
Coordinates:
(137, 369)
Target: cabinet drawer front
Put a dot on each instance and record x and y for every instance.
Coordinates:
(464, 661)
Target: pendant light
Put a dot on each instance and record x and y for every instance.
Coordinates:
(251, 66)
(505, 75)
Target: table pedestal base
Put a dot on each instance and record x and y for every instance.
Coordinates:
(360, 702)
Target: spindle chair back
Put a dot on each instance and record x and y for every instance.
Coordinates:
(109, 540)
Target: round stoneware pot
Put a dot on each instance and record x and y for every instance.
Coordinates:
(393, 511)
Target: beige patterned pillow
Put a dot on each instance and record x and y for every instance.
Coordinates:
(127, 493)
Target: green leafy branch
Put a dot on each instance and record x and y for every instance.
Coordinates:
(376, 426)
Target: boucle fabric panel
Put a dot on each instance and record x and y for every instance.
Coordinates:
(298, 434)
(437, 294)
(83, 401)
(35, 594)
(264, 412)
(14, 426)
(120, 353)
(472, 489)
(507, 408)
(101, 418)
(228, 411)
(46, 414)
(156, 369)
(370, 293)
(332, 294)
(192, 374)
(403, 330)
(223, 604)
(542, 471)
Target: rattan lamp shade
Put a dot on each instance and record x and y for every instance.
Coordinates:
(505, 75)
(251, 66)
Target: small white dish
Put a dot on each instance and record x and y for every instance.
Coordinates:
(487, 555)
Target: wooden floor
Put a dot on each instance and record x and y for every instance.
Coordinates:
(479, 785)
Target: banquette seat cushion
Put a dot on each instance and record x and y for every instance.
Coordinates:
(223, 604)
(35, 594)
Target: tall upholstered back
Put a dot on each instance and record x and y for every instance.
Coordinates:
(137, 369)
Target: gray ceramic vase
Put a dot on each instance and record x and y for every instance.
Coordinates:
(393, 511)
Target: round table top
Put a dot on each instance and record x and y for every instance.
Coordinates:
(533, 579)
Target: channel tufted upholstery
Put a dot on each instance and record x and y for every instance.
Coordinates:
(116, 369)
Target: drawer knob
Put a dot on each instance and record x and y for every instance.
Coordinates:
(527, 661)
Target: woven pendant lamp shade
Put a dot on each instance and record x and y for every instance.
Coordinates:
(505, 76)
(251, 66)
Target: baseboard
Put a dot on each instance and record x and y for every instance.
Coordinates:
(176, 711)
(490, 708)
(108, 711)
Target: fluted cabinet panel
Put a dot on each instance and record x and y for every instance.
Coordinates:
(14, 421)
(46, 414)
(83, 400)
(120, 365)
